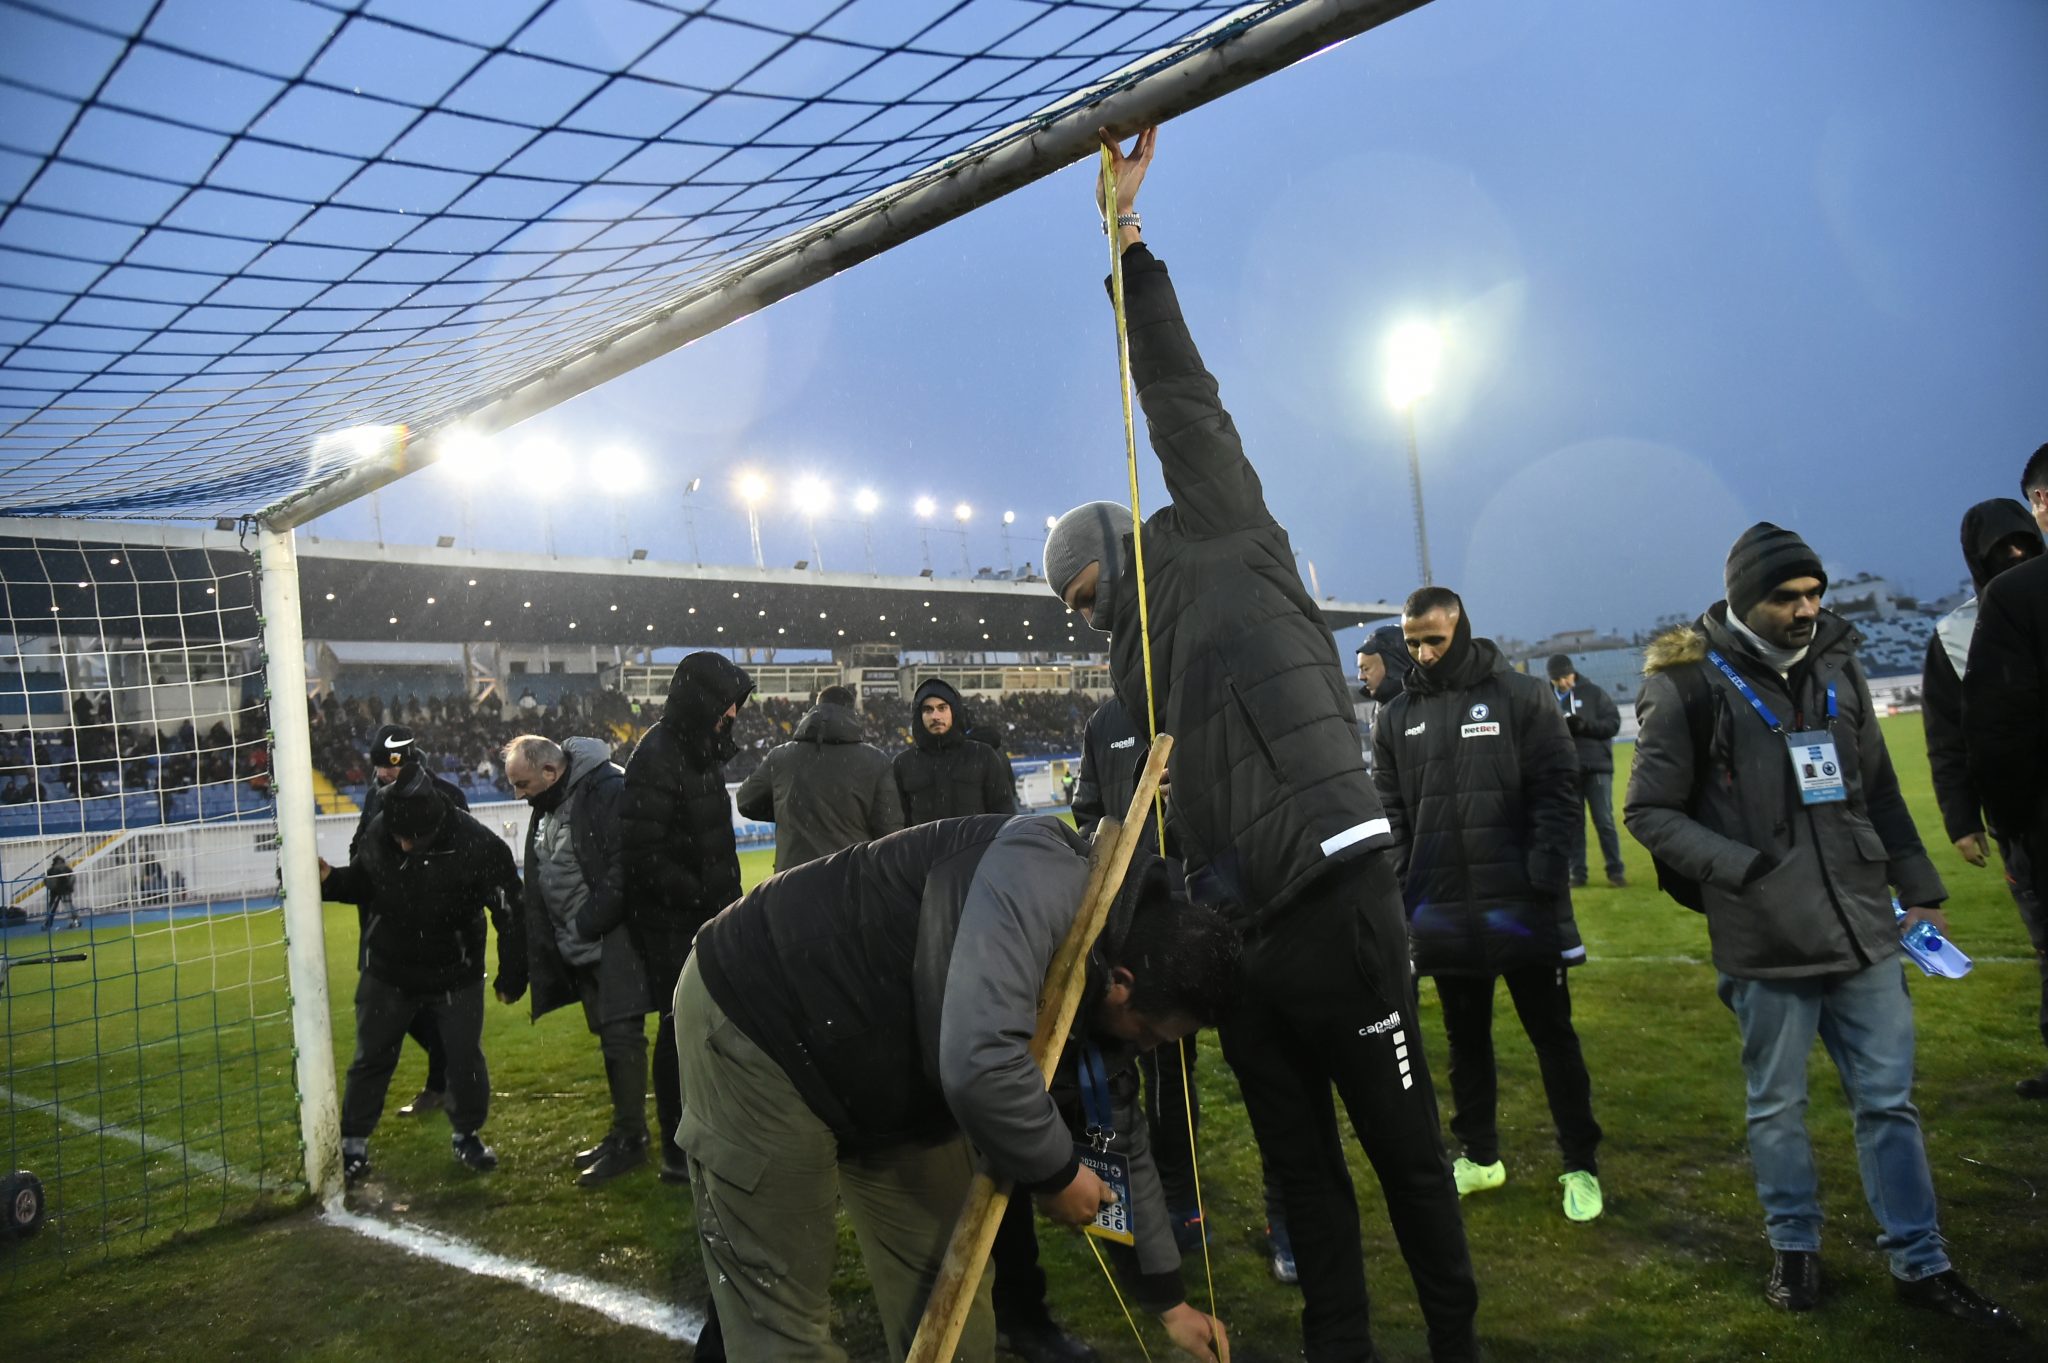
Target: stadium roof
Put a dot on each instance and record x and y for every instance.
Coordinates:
(424, 595)
(273, 253)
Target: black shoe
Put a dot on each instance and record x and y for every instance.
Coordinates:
(1795, 1280)
(583, 1159)
(355, 1166)
(2033, 1086)
(423, 1102)
(1618, 881)
(623, 1157)
(1044, 1342)
(1950, 1295)
(675, 1165)
(1578, 882)
(471, 1150)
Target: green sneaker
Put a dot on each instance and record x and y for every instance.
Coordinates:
(1480, 1178)
(1582, 1200)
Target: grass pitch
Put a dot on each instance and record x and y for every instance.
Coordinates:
(1674, 1270)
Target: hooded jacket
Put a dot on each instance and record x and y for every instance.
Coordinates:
(896, 983)
(575, 901)
(2005, 708)
(1270, 788)
(423, 910)
(1477, 773)
(825, 789)
(1987, 527)
(682, 858)
(950, 775)
(1392, 651)
(1789, 889)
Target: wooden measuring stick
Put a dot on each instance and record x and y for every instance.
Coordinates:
(945, 1312)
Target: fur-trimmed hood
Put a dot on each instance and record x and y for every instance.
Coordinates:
(1675, 647)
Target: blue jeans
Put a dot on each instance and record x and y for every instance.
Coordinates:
(1865, 1020)
(1596, 789)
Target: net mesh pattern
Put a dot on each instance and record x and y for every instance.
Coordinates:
(148, 1082)
(231, 227)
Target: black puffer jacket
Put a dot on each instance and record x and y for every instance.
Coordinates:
(1477, 772)
(2005, 708)
(1111, 755)
(682, 860)
(1987, 528)
(423, 911)
(1269, 784)
(950, 775)
(825, 789)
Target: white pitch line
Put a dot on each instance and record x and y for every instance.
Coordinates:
(201, 1161)
(614, 1303)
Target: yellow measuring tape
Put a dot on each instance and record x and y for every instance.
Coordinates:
(1123, 359)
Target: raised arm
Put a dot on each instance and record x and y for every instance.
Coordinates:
(1214, 488)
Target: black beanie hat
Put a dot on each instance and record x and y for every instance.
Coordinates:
(416, 807)
(1765, 556)
(1559, 666)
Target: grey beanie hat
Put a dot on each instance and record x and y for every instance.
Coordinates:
(1092, 532)
(1765, 556)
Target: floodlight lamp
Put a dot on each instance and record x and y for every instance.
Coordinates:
(962, 512)
(543, 467)
(926, 508)
(618, 471)
(752, 487)
(1009, 518)
(812, 496)
(1414, 352)
(688, 488)
(865, 501)
(1051, 522)
(465, 454)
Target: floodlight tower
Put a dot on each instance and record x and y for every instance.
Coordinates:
(963, 513)
(865, 501)
(813, 498)
(1009, 558)
(1414, 352)
(619, 474)
(753, 489)
(926, 508)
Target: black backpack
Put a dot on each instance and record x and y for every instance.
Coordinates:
(1696, 694)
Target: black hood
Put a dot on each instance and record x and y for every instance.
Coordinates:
(703, 686)
(925, 738)
(1391, 649)
(828, 723)
(1467, 662)
(1987, 526)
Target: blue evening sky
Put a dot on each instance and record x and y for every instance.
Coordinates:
(1699, 265)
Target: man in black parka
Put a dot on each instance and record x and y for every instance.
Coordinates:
(827, 788)
(1276, 816)
(425, 874)
(1477, 771)
(395, 752)
(1997, 535)
(1593, 719)
(945, 773)
(682, 858)
(577, 947)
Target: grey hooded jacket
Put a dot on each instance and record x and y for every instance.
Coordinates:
(896, 983)
(1790, 889)
(575, 902)
(825, 789)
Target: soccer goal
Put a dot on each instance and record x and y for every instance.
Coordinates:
(145, 958)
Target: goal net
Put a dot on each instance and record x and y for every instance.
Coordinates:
(148, 1079)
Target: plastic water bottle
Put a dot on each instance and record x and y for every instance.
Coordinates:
(1933, 953)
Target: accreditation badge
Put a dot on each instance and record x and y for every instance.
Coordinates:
(1114, 1221)
(1817, 767)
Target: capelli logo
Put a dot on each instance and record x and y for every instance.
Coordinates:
(1383, 1026)
(1410, 733)
(1131, 742)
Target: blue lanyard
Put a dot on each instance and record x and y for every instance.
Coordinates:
(1095, 1096)
(1756, 701)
